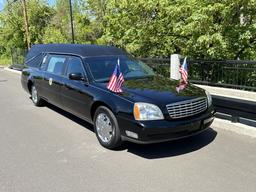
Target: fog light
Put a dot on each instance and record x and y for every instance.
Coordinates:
(131, 134)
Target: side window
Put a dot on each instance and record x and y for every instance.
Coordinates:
(56, 64)
(75, 66)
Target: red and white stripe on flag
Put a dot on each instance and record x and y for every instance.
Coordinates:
(116, 80)
(184, 71)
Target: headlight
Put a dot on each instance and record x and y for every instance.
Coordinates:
(209, 98)
(146, 111)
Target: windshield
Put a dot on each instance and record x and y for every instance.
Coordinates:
(103, 67)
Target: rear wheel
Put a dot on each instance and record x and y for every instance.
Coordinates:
(106, 128)
(35, 97)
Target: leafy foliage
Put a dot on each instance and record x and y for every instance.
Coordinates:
(218, 29)
(12, 32)
(209, 29)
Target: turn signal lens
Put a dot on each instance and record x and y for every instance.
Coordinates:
(136, 112)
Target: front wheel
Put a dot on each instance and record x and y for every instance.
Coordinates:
(35, 98)
(106, 128)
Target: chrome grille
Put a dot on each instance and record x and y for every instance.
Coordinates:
(187, 108)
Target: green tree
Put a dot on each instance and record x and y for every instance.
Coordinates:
(197, 28)
(40, 15)
(212, 29)
(12, 23)
(12, 32)
(59, 28)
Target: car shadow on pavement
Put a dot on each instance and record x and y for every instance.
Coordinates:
(72, 117)
(173, 148)
(153, 151)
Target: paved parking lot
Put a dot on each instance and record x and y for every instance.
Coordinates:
(46, 149)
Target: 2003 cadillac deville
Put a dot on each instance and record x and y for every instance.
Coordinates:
(75, 78)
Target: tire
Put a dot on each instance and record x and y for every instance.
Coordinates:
(106, 128)
(35, 97)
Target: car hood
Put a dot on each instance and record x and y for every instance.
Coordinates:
(158, 90)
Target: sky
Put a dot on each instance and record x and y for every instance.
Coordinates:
(3, 2)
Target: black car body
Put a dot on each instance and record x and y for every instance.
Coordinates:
(70, 77)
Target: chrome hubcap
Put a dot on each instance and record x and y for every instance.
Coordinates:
(104, 127)
(34, 94)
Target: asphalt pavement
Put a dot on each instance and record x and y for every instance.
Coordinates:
(46, 149)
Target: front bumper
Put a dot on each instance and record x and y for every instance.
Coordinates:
(165, 130)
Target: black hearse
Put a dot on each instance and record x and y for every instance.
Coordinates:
(150, 109)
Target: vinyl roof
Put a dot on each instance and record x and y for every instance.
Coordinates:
(83, 50)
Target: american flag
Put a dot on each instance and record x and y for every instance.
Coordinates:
(184, 71)
(117, 79)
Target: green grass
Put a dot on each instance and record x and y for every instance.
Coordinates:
(5, 61)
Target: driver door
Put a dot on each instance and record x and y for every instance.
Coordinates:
(75, 94)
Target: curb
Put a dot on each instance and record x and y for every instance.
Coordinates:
(12, 70)
(238, 128)
(228, 92)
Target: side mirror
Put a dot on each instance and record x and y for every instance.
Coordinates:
(76, 76)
